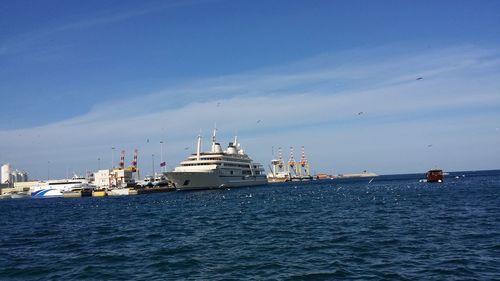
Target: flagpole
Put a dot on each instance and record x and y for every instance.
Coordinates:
(153, 162)
(161, 156)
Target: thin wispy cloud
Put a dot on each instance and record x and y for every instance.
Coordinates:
(315, 103)
(42, 39)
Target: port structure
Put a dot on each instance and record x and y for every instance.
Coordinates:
(299, 171)
(303, 169)
(291, 164)
(133, 165)
(120, 176)
(122, 160)
(280, 160)
(278, 166)
(292, 170)
(279, 173)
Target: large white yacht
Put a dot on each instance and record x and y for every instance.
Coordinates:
(217, 168)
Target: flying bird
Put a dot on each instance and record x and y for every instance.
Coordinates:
(186, 148)
(258, 121)
(429, 145)
(218, 104)
(360, 113)
(420, 78)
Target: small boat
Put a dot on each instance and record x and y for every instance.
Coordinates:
(323, 176)
(302, 178)
(160, 180)
(146, 182)
(86, 190)
(278, 174)
(278, 177)
(435, 176)
(118, 192)
(5, 196)
(19, 195)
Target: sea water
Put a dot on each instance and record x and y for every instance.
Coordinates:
(392, 228)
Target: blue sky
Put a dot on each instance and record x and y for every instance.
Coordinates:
(80, 77)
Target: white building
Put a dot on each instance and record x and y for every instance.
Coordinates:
(19, 176)
(8, 176)
(102, 179)
(111, 178)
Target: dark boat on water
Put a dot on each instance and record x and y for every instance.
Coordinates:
(435, 176)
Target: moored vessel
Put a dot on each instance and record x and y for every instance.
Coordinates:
(19, 195)
(278, 173)
(278, 177)
(217, 168)
(47, 193)
(56, 188)
(5, 196)
(118, 192)
(363, 174)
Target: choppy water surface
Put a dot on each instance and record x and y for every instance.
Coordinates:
(394, 228)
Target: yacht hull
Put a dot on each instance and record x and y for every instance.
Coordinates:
(203, 180)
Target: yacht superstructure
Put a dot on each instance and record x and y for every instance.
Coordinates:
(217, 168)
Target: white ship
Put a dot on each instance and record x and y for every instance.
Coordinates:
(56, 188)
(278, 174)
(217, 168)
(364, 174)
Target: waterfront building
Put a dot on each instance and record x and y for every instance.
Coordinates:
(116, 177)
(6, 174)
(9, 177)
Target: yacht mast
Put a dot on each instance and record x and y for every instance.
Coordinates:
(198, 148)
(214, 139)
